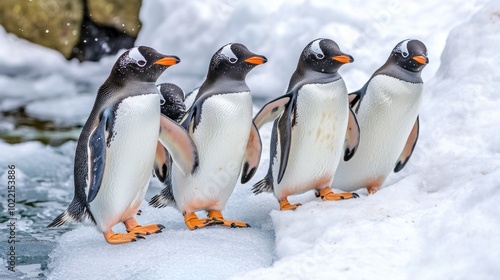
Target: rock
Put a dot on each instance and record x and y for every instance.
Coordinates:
(123, 15)
(52, 23)
(85, 29)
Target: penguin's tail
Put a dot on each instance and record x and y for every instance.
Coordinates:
(264, 185)
(74, 213)
(61, 219)
(163, 199)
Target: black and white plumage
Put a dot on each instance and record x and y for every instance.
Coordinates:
(387, 111)
(314, 128)
(220, 124)
(115, 151)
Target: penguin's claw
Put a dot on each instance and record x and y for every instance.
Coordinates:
(120, 238)
(285, 205)
(147, 230)
(217, 216)
(327, 194)
(193, 222)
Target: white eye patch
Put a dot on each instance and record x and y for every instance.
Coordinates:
(228, 53)
(316, 49)
(136, 55)
(403, 48)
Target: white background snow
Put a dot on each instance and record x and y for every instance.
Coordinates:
(437, 219)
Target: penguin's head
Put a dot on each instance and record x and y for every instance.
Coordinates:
(172, 104)
(143, 64)
(410, 54)
(234, 61)
(323, 55)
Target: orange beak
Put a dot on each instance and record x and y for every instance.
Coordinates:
(168, 61)
(421, 59)
(343, 58)
(256, 60)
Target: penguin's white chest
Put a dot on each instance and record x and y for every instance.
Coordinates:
(221, 138)
(129, 160)
(386, 116)
(317, 138)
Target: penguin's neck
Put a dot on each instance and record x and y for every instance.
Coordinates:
(301, 77)
(391, 69)
(222, 84)
(119, 89)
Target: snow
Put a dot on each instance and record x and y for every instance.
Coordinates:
(436, 219)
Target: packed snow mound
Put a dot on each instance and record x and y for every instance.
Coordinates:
(439, 217)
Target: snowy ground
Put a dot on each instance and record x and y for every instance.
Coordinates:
(436, 219)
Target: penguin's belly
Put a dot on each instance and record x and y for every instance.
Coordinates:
(386, 118)
(129, 160)
(317, 139)
(221, 138)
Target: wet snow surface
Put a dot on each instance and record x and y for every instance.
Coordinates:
(436, 219)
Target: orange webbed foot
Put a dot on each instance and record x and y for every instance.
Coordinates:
(133, 227)
(285, 205)
(327, 194)
(120, 238)
(217, 216)
(193, 222)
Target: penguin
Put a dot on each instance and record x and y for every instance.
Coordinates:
(387, 111)
(220, 124)
(115, 150)
(313, 127)
(172, 102)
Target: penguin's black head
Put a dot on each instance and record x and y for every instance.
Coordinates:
(323, 55)
(234, 61)
(142, 64)
(410, 55)
(172, 104)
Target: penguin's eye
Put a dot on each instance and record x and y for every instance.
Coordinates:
(320, 56)
(404, 54)
(141, 63)
(233, 60)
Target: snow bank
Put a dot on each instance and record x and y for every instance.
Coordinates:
(439, 217)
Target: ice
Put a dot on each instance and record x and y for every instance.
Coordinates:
(54, 109)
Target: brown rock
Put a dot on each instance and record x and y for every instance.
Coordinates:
(52, 23)
(123, 15)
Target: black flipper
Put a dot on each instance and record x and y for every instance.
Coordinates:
(253, 152)
(271, 110)
(97, 155)
(285, 136)
(352, 136)
(356, 97)
(409, 147)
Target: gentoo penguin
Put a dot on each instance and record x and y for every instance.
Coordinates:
(172, 103)
(220, 124)
(387, 111)
(315, 128)
(115, 151)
